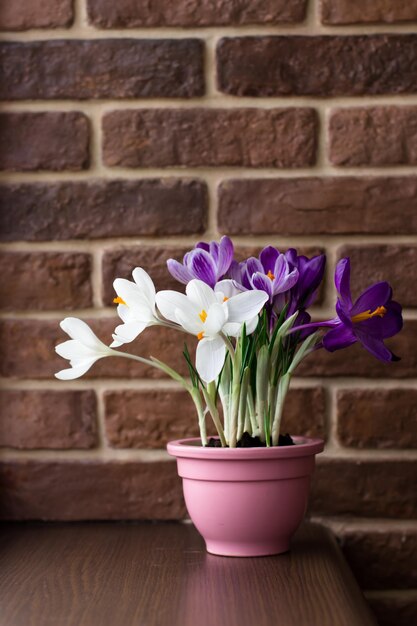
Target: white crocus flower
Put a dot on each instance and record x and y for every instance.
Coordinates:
(207, 315)
(136, 306)
(82, 350)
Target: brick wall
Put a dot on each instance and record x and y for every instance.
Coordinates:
(127, 131)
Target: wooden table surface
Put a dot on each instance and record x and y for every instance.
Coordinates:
(115, 574)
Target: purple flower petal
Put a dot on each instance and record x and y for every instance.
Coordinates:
(311, 271)
(253, 265)
(342, 280)
(262, 282)
(236, 271)
(375, 296)
(179, 272)
(286, 283)
(338, 338)
(214, 251)
(202, 245)
(225, 258)
(291, 256)
(268, 258)
(202, 266)
(343, 312)
(280, 269)
(376, 347)
(186, 259)
(383, 327)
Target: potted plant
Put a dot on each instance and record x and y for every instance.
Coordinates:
(246, 490)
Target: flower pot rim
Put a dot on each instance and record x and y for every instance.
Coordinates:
(191, 448)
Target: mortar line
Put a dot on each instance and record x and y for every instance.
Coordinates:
(80, 11)
(212, 99)
(349, 383)
(327, 242)
(309, 28)
(228, 173)
(332, 439)
(104, 454)
(145, 454)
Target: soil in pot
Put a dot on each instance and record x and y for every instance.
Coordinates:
(247, 441)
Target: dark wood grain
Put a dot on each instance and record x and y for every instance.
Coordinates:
(107, 574)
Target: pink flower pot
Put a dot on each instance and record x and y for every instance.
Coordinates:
(246, 501)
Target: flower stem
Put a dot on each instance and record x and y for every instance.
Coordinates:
(211, 405)
(229, 345)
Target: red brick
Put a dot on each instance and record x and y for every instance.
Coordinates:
(28, 350)
(210, 137)
(48, 419)
(149, 419)
(26, 14)
(365, 488)
(318, 206)
(317, 66)
(372, 548)
(398, 608)
(90, 490)
(102, 68)
(128, 14)
(44, 141)
(305, 413)
(81, 210)
(394, 263)
(358, 362)
(120, 262)
(337, 12)
(377, 418)
(373, 136)
(45, 280)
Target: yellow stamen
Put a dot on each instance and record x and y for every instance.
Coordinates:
(270, 275)
(118, 300)
(225, 299)
(203, 315)
(200, 335)
(366, 315)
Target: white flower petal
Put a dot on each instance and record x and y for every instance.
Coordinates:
(210, 358)
(77, 329)
(135, 299)
(234, 329)
(168, 301)
(216, 318)
(75, 372)
(245, 306)
(190, 321)
(74, 350)
(228, 288)
(123, 312)
(125, 333)
(252, 324)
(200, 294)
(145, 284)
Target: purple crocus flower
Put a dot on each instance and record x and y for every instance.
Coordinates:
(373, 317)
(270, 273)
(208, 262)
(310, 275)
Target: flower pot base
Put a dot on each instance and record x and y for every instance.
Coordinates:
(220, 548)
